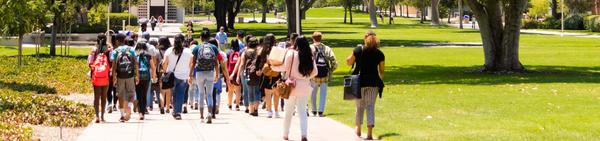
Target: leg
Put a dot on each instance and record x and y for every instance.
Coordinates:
(178, 93)
(238, 94)
(322, 98)
(301, 104)
(201, 93)
(149, 96)
(208, 84)
(103, 101)
(370, 98)
(313, 98)
(360, 109)
(289, 110)
(97, 91)
(268, 99)
(276, 100)
(229, 95)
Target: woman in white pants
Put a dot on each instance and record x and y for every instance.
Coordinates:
(299, 67)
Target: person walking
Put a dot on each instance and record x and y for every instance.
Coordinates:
(299, 67)
(178, 60)
(221, 38)
(238, 74)
(371, 71)
(190, 29)
(125, 75)
(166, 96)
(326, 64)
(153, 22)
(206, 64)
(161, 22)
(218, 85)
(100, 74)
(270, 77)
(147, 66)
(112, 97)
(233, 88)
(154, 55)
(248, 68)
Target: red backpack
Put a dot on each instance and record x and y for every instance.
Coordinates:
(232, 60)
(100, 70)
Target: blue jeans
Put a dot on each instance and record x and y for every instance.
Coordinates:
(152, 92)
(218, 88)
(205, 82)
(322, 98)
(245, 90)
(194, 94)
(178, 94)
(254, 94)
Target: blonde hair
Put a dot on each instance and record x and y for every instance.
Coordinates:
(371, 40)
(317, 36)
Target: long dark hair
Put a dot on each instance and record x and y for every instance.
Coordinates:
(141, 46)
(164, 43)
(305, 56)
(101, 43)
(178, 47)
(235, 45)
(213, 41)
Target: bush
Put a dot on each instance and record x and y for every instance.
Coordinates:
(10, 132)
(116, 20)
(550, 23)
(574, 22)
(530, 24)
(88, 28)
(592, 23)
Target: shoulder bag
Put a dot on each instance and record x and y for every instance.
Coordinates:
(352, 81)
(168, 79)
(285, 85)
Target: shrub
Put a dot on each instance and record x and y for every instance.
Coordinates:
(10, 132)
(550, 23)
(592, 23)
(88, 28)
(530, 24)
(574, 22)
(116, 20)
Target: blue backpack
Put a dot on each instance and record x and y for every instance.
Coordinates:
(144, 67)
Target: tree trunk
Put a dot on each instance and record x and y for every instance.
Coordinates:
(407, 12)
(435, 12)
(291, 16)
(220, 14)
(55, 25)
(554, 9)
(345, 11)
(350, 10)
(500, 43)
(264, 12)
(460, 15)
(20, 54)
(390, 15)
(373, 13)
(233, 9)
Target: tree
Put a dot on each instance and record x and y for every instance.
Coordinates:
(232, 11)
(221, 13)
(20, 17)
(291, 16)
(500, 40)
(554, 9)
(578, 6)
(265, 9)
(304, 6)
(373, 13)
(435, 12)
(348, 4)
(539, 8)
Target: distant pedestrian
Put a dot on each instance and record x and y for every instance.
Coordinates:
(222, 38)
(161, 22)
(190, 29)
(153, 22)
(370, 70)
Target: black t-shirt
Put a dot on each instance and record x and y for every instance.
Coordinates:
(367, 61)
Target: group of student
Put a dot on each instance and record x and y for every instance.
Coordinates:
(136, 71)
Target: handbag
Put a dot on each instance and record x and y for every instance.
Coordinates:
(276, 56)
(285, 86)
(352, 83)
(168, 79)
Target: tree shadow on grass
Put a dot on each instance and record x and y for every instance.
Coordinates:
(394, 43)
(23, 87)
(432, 74)
(386, 135)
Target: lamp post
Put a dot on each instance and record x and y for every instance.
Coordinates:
(298, 17)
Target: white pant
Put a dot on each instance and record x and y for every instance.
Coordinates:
(298, 103)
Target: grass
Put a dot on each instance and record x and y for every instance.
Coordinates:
(558, 100)
(28, 92)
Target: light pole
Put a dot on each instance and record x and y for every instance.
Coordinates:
(108, 17)
(298, 17)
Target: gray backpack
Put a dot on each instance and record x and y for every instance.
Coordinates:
(206, 58)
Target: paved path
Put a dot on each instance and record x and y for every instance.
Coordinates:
(229, 125)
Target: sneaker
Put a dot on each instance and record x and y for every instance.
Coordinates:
(321, 114)
(110, 109)
(277, 115)
(314, 113)
(162, 111)
(114, 108)
(270, 115)
(237, 107)
(141, 116)
(168, 111)
(246, 111)
(230, 107)
(122, 119)
(185, 110)
(177, 117)
(208, 119)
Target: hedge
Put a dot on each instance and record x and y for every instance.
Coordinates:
(592, 23)
(116, 20)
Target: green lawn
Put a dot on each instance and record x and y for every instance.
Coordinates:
(558, 100)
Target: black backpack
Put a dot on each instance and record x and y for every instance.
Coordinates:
(322, 64)
(252, 67)
(125, 64)
(205, 58)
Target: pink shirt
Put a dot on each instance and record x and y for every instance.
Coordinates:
(303, 86)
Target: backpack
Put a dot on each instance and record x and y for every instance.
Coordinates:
(322, 64)
(251, 67)
(206, 58)
(232, 60)
(100, 71)
(144, 67)
(125, 64)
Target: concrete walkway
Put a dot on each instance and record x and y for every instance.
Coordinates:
(228, 126)
(534, 31)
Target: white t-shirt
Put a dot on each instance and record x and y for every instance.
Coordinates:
(183, 67)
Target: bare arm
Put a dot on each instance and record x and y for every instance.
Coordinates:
(165, 64)
(153, 68)
(192, 64)
(225, 72)
(217, 70)
(350, 60)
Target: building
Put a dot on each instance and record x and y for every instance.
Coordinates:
(156, 8)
